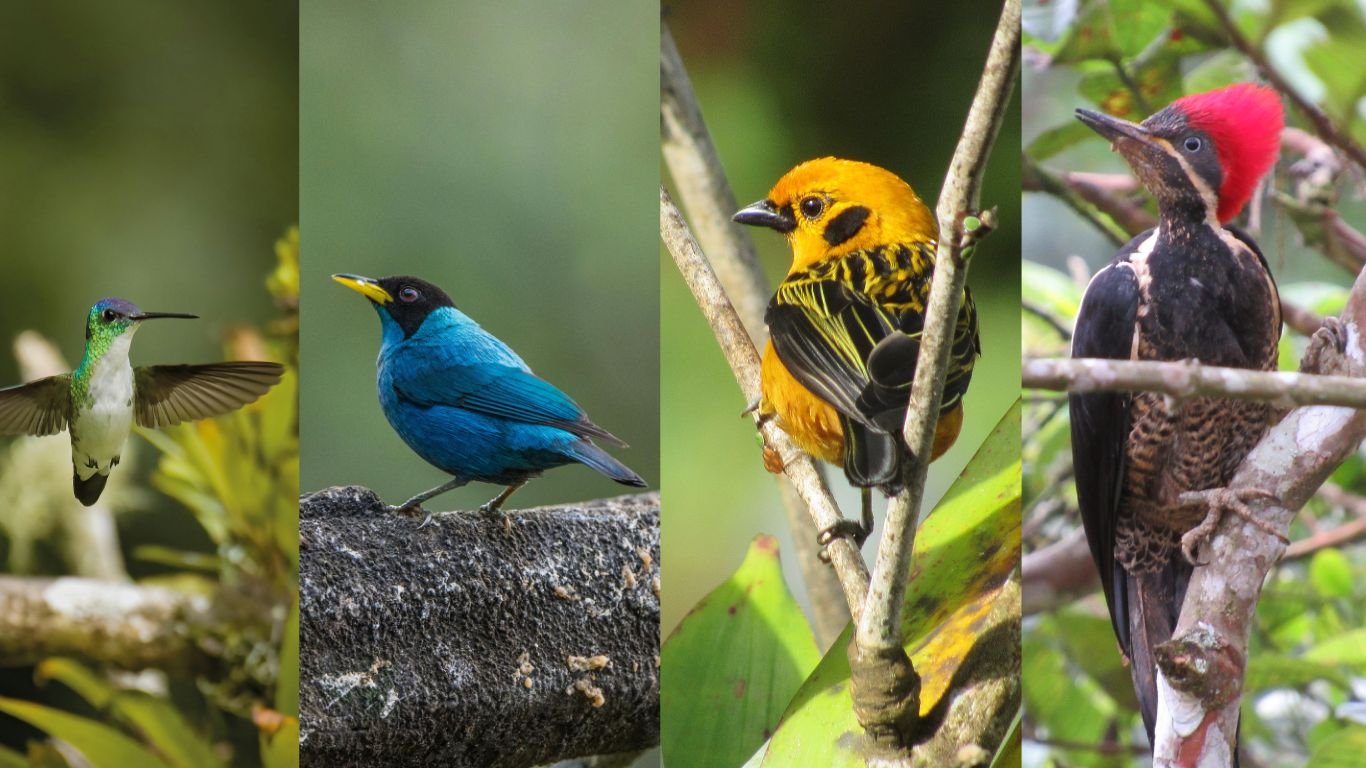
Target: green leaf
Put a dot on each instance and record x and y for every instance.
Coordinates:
(1012, 749)
(1347, 649)
(1331, 573)
(1343, 749)
(733, 664)
(1266, 671)
(965, 549)
(287, 682)
(100, 744)
(158, 721)
(281, 749)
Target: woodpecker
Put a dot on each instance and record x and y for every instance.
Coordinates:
(1151, 475)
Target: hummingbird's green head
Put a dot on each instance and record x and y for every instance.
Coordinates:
(111, 318)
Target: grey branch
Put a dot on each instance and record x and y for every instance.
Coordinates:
(1202, 668)
(477, 641)
(128, 626)
(1189, 378)
(744, 363)
(701, 182)
(880, 625)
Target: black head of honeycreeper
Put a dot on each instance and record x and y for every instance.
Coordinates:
(101, 400)
(468, 404)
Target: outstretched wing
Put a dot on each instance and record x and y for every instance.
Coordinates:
(170, 394)
(37, 408)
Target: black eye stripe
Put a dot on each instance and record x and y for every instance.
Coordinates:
(846, 224)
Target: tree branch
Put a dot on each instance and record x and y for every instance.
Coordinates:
(744, 363)
(125, 625)
(696, 171)
(1189, 378)
(477, 641)
(878, 641)
(1201, 670)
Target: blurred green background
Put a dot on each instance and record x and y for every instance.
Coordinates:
(148, 150)
(505, 152)
(888, 83)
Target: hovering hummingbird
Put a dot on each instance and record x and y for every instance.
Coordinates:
(101, 400)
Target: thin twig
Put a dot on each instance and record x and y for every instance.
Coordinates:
(1333, 537)
(880, 626)
(1098, 208)
(1322, 123)
(695, 169)
(1189, 378)
(1048, 317)
(701, 182)
(744, 363)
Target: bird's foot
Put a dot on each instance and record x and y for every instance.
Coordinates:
(494, 511)
(844, 529)
(410, 509)
(1217, 501)
(1326, 353)
(855, 530)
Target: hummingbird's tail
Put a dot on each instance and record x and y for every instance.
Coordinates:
(588, 454)
(88, 490)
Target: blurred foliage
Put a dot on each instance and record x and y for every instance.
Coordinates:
(1131, 58)
(238, 476)
(507, 153)
(150, 151)
(732, 667)
(888, 83)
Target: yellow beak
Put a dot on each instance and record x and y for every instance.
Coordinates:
(365, 286)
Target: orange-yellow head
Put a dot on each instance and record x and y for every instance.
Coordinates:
(829, 207)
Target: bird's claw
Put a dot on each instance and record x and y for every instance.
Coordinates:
(1217, 501)
(409, 509)
(495, 513)
(1326, 352)
(844, 529)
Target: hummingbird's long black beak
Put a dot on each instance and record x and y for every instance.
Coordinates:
(160, 315)
(766, 214)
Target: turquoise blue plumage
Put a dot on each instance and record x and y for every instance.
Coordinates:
(466, 402)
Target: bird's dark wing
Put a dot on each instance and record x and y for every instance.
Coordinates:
(496, 390)
(37, 408)
(891, 366)
(1100, 427)
(823, 332)
(170, 394)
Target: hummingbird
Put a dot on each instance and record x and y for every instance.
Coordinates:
(468, 404)
(99, 402)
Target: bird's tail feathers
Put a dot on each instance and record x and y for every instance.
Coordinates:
(588, 454)
(88, 490)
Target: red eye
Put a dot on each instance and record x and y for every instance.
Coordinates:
(408, 293)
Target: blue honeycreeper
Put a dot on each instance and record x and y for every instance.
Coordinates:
(468, 404)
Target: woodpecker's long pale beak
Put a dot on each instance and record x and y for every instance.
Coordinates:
(765, 213)
(161, 315)
(1118, 131)
(365, 286)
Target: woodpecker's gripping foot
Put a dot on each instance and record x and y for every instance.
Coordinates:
(855, 530)
(1326, 352)
(1217, 501)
